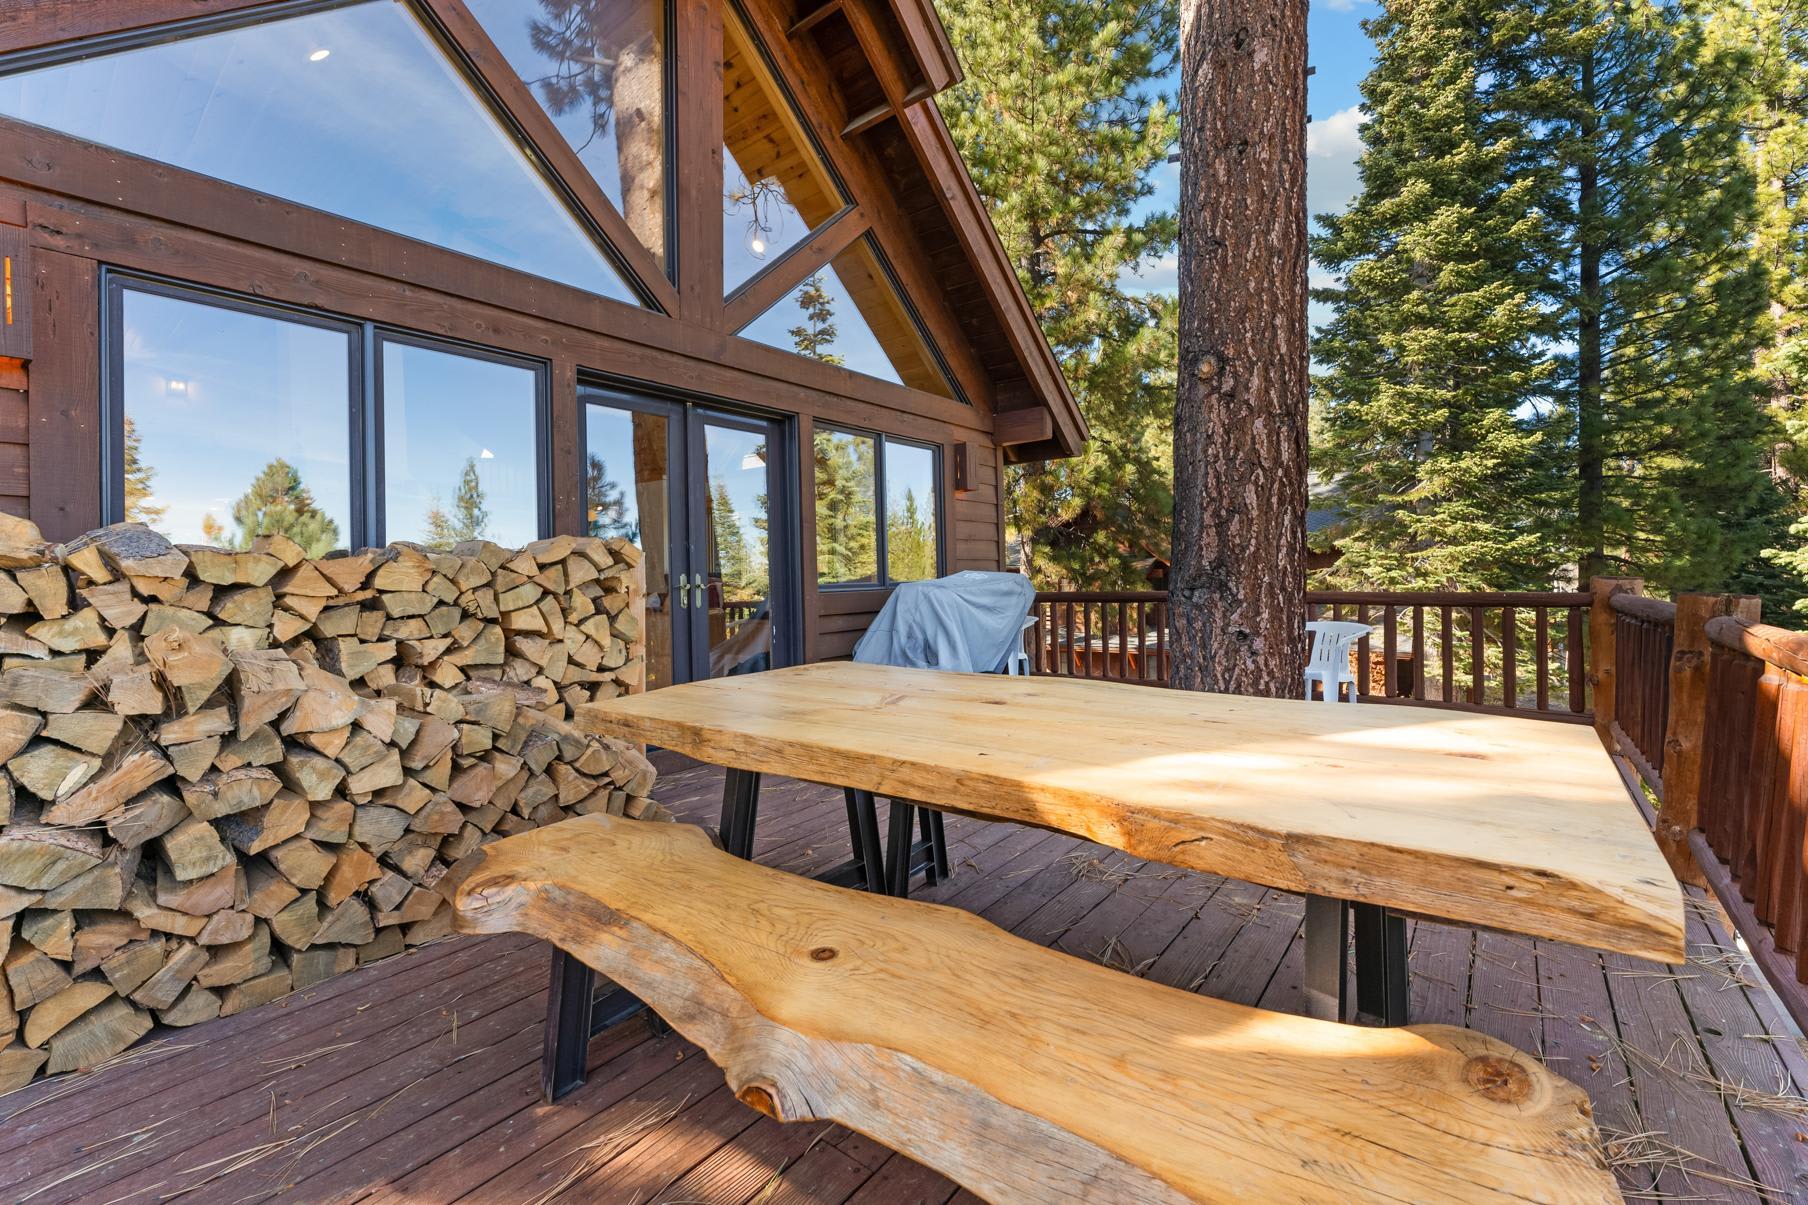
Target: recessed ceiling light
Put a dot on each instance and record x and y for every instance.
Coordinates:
(318, 55)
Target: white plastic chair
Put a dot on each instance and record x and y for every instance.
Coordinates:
(1328, 663)
(1017, 664)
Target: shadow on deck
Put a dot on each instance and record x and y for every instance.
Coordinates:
(416, 1080)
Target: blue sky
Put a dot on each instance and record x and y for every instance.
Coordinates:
(1342, 54)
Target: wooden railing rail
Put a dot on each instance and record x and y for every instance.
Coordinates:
(1750, 818)
(1514, 651)
(1643, 642)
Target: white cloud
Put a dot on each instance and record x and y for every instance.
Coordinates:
(1157, 274)
(1332, 147)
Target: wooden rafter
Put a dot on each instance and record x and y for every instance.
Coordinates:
(698, 113)
(467, 33)
(30, 24)
(795, 266)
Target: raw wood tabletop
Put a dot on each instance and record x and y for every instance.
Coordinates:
(1494, 821)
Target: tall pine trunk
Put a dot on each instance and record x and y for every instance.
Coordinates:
(1591, 424)
(1239, 565)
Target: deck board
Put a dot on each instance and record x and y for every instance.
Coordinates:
(376, 1100)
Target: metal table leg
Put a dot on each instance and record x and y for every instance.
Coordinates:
(863, 827)
(899, 848)
(740, 811)
(1383, 989)
(1327, 929)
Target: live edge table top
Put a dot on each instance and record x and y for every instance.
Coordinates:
(1495, 821)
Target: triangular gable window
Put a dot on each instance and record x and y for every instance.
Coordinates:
(775, 190)
(353, 110)
(598, 69)
(849, 314)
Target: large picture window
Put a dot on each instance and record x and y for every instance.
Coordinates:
(231, 420)
(877, 510)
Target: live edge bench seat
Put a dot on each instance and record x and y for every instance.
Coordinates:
(1021, 1072)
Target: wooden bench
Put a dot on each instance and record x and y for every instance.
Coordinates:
(1021, 1072)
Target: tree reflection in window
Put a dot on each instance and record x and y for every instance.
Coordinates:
(598, 68)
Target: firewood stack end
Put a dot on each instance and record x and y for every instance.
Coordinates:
(227, 775)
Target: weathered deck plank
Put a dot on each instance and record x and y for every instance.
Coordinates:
(364, 1066)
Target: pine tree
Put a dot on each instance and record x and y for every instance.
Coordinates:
(909, 541)
(743, 579)
(606, 502)
(1661, 294)
(847, 547)
(1775, 35)
(277, 503)
(213, 531)
(815, 335)
(469, 519)
(1436, 371)
(139, 491)
(1061, 124)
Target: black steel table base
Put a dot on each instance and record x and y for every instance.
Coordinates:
(1383, 991)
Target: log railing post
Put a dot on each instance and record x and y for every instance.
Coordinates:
(1688, 722)
(1601, 624)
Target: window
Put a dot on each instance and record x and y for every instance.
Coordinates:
(877, 504)
(848, 313)
(354, 110)
(232, 420)
(775, 189)
(598, 68)
(460, 446)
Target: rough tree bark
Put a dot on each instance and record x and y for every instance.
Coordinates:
(1240, 410)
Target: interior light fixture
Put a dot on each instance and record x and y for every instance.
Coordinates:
(177, 385)
(757, 246)
(319, 55)
(486, 454)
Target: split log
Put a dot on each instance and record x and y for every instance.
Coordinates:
(97, 1036)
(1025, 1083)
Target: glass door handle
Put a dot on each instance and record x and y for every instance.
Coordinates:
(700, 588)
(684, 589)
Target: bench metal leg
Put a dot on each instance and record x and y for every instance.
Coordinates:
(1383, 988)
(863, 834)
(1327, 935)
(740, 811)
(567, 1025)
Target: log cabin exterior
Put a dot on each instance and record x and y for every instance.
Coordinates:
(376, 240)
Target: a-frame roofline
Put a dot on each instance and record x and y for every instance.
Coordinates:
(873, 66)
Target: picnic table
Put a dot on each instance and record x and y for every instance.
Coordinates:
(1381, 812)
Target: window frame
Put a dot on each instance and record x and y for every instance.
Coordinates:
(883, 579)
(364, 394)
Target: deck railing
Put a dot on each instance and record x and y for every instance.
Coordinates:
(1519, 652)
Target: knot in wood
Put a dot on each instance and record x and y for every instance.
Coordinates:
(823, 953)
(755, 1096)
(1497, 1079)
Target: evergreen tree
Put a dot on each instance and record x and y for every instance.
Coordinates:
(277, 503)
(213, 531)
(1060, 123)
(847, 545)
(606, 502)
(743, 578)
(909, 541)
(469, 519)
(815, 335)
(1436, 372)
(1774, 33)
(1659, 290)
(139, 507)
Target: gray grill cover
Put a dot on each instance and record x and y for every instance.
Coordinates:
(968, 621)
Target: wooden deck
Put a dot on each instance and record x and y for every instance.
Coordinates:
(416, 1080)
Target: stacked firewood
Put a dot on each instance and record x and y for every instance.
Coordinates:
(228, 775)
